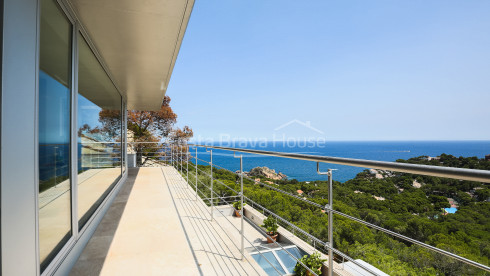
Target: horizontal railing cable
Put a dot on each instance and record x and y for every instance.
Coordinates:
(305, 233)
(324, 244)
(449, 254)
(456, 173)
(199, 159)
(274, 188)
(448, 172)
(284, 220)
(420, 169)
(228, 203)
(225, 232)
(313, 238)
(368, 224)
(264, 232)
(249, 242)
(246, 239)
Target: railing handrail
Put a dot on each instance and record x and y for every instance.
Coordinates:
(394, 234)
(448, 172)
(320, 159)
(277, 216)
(439, 171)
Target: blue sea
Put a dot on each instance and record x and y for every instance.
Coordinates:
(306, 170)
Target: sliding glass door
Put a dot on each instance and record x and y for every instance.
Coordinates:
(54, 131)
(99, 133)
(80, 135)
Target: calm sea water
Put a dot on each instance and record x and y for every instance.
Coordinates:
(306, 171)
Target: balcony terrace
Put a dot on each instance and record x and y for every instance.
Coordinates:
(163, 222)
(156, 226)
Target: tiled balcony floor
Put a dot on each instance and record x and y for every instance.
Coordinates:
(155, 226)
(54, 216)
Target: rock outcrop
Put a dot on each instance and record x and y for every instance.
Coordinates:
(267, 173)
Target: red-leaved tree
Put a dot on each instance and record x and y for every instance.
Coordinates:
(147, 128)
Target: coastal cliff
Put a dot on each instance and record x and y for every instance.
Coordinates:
(267, 173)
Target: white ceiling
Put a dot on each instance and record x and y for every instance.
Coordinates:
(139, 41)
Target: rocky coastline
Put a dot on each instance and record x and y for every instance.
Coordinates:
(265, 172)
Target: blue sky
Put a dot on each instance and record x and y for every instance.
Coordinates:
(355, 70)
(54, 122)
(54, 115)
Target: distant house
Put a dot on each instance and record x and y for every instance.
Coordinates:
(487, 157)
(299, 192)
(416, 184)
(433, 158)
(379, 197)
(452, 202)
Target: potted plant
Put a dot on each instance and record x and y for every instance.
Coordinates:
(238, 206)
(270, 226)
(313, 261)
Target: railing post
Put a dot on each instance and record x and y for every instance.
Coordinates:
(55, 148)
(187, 164)
(196, 174)
(329, 209)
(212, 184)
(242, 213)
(212, 190)
(330, 223)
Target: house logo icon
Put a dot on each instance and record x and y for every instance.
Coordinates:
(306, 124)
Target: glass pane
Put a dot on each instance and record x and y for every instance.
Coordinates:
(54, 131)
(99, 133)
(287, 260)
(266, 266)
(295, 252)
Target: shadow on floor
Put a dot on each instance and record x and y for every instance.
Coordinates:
(93, 256)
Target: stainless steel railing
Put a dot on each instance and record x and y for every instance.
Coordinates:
(178, 161)
(179, 156)
(150, 151)
(454, 173)
(179, 164)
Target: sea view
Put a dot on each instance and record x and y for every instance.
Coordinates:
(372, 150)
(199, 138)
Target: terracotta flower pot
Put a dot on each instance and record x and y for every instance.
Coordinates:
(237, 213)
(271, 238)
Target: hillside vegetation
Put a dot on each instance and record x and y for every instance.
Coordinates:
(411, 205)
